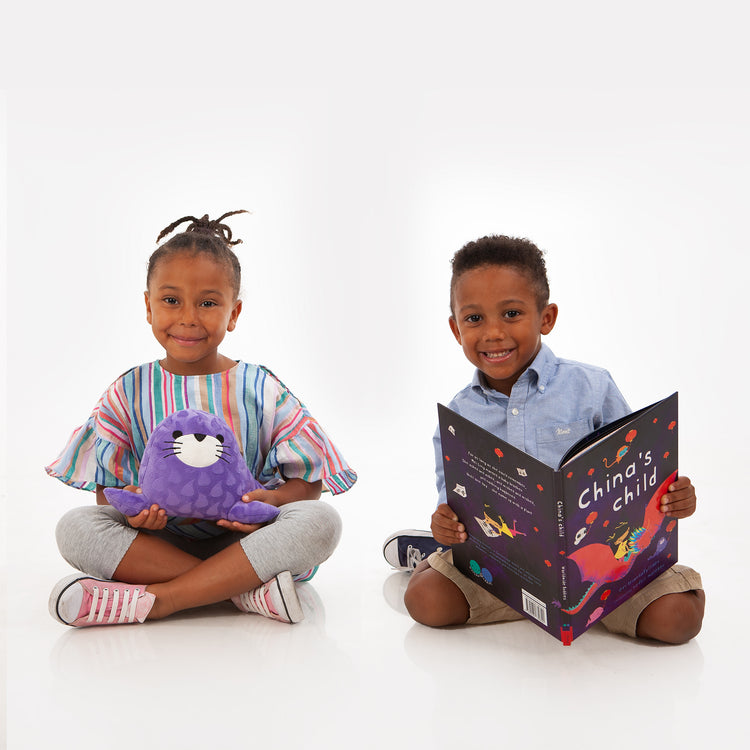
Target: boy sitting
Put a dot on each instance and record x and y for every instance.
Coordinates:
(499, 310)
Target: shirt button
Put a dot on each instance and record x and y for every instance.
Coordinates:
(514, 412)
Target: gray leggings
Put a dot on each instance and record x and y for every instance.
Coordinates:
(95, 538)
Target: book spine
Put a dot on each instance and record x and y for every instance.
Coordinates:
(562, 559)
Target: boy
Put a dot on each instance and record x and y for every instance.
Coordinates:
(525, 395)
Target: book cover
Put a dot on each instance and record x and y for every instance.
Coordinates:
(566, 546)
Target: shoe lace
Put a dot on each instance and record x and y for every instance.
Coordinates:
(257, 600)
(413, 556)
(124, 602)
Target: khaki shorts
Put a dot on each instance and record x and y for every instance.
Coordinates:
(486, 608)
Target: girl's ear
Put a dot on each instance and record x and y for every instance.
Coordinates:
(454, 328)
(549, 318)
(236, 310)
(148, 307)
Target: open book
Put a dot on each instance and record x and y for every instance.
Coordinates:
(565, 546)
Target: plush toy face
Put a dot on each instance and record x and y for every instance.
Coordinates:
(198, 450)
(192, 466)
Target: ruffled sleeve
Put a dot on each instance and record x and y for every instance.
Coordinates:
(100, 451)
(299, 448)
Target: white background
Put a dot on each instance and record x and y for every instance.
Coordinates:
(370, 144)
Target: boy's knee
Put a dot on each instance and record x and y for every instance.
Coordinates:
(432, 599)
(688, 615)
(673, 618)
(417, 598)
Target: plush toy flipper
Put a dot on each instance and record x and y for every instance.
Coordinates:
(127, 502)
(252, 512)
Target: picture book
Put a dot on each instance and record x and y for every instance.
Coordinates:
(566, 546)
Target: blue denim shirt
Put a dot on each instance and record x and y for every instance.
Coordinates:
(551, 406)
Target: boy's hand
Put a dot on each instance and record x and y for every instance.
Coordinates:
(680, 500)
(446, 528)
(153, 518)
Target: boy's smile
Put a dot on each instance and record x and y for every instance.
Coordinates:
(190, 305)
(497, 321)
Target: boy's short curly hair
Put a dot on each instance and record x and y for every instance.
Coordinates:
(501, 250)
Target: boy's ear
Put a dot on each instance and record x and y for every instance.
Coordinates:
(454, 328)
(148, 307)
(234, 315)
(549, 318)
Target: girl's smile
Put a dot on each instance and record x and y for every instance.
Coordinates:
(190, 305)
(185, 341)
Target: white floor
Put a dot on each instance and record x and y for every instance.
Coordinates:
(357, 672)
(375, 142)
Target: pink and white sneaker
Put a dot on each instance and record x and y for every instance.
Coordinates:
(276, 599)
(81, 601)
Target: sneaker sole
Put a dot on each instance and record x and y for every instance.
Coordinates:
(289, 598)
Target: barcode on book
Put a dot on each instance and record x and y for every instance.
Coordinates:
(534, 607)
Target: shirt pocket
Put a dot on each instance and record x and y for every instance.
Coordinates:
(560, 437)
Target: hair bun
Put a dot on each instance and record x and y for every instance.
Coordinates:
(205, 225)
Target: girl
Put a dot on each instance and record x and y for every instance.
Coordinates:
(148, 566)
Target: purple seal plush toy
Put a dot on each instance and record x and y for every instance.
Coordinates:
(193, 467)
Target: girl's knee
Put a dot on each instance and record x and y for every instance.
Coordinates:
(329, 521)
(80, 530)
(322, 525)
(71, 529)
(304, 535)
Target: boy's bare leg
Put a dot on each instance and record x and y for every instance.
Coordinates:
(432, 599)
(673, 618)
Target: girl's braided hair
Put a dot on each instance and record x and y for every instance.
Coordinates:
(204, 235)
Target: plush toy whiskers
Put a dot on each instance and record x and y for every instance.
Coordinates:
(198, 450)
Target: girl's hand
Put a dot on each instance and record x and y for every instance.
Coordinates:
(153, 518)
(680, 500)
(445, 526)
(245, 528)
(289, 492)
(271, 497)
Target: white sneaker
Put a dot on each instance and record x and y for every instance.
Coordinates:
(276, 599)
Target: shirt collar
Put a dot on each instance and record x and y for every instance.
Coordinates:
(542, 368)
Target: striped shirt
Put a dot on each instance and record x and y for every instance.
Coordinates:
(279, 438)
